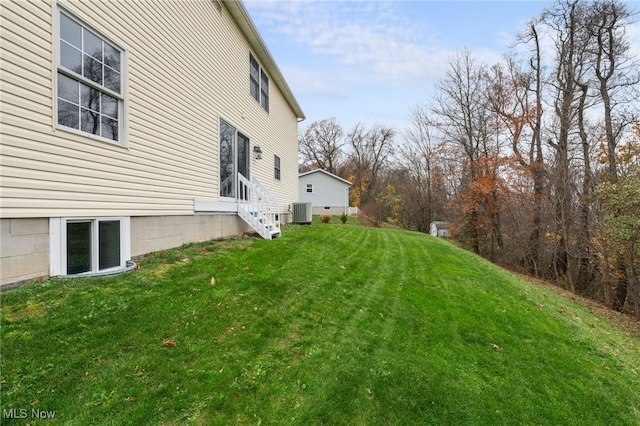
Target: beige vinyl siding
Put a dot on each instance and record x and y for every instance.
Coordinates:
(281, 139)
(187, 65)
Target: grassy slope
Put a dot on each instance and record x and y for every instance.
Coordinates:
(332, 324)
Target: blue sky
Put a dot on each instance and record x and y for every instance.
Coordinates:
(372, 61)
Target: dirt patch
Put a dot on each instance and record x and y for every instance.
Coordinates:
(626, 322)
(23, 311)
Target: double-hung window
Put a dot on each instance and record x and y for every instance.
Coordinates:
(258, 83)
(254, 78)
(264, 90)
(276, 167)
(90, 95)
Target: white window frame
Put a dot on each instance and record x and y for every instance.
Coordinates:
(58, 244)
(262, 82)
(237, 131)
(277, 167)
(309, 187)
(264, 90)
(122, 97)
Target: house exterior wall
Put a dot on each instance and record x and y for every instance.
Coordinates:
(24, 246)
(155, 233)
(327, 192)
(186, 67)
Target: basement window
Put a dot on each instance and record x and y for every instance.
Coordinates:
(89, 246)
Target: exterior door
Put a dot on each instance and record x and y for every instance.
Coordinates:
(242, 156)
(234, 159)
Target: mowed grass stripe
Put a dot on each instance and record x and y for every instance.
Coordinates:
(330, 324)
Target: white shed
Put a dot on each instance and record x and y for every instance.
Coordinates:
(326, 192)
(440, 229)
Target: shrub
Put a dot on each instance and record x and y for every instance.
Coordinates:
(325, 218)
(343, 218)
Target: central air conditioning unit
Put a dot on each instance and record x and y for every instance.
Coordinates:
(301, 213)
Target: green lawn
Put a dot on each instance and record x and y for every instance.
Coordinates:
(330, 324)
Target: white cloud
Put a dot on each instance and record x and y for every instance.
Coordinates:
(369, 38)
(314, 82)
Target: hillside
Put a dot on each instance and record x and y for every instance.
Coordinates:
(330, 324)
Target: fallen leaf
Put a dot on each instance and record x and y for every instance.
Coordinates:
(221, 266)
(561, 309)
(169, 343)
(246, 268)
(130, 398)
(494, 346)
(342, 267)
(212, 281)
(368, 391)
(251, 273)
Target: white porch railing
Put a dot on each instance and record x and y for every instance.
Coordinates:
(257, 206)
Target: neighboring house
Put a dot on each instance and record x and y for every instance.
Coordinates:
(326, 192)
(440, 229)
(126, 128)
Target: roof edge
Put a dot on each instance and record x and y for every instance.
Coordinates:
(326, 173)
(240, 15)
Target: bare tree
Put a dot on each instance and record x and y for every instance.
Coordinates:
(614, 69)
(516, 95)
(566, 21)
(463, 117)
(422, 170)
(528, 104)
(371, 150)
(616, 72)
(321, 145)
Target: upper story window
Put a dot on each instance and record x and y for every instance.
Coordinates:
(276, 167)
(258, 83)
(264, 90)
(310, 188)
(90, 97)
